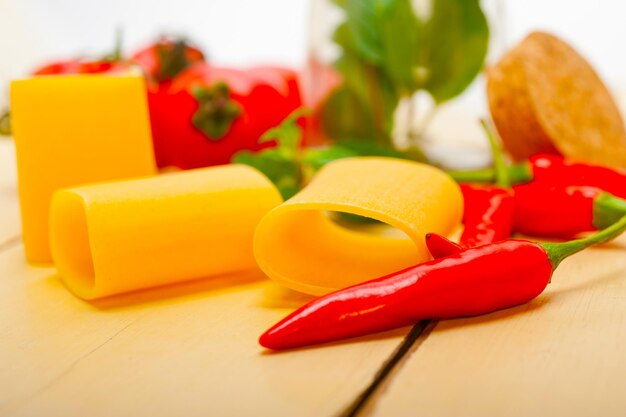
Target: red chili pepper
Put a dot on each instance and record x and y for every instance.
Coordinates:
(554, 169)
(207, 114)
(488, 215)
(440, 247)
(489, 209)
(563, 211)
(558, 170)
(471, 282)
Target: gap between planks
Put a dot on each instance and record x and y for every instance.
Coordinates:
(364, 402)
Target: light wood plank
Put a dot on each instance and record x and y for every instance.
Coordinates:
(562, 354)
(9, 209)
(186, 350)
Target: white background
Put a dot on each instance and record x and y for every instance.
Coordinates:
(242, 32)
(238, 32)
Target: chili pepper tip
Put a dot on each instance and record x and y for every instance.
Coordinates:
(440, 246)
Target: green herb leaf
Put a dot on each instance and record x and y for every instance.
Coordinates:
(362, 22)
(402, 37)
(384, 33)
(455, 45)
(389, 53)
(364, 105)
(284, 172)
(287, 134)
(362, 148)
(317, 158)
(289, 167)
(281, 164)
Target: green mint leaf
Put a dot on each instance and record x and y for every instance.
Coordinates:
(362, 22)
(363, 148)
(282, 171)
(402, 37)
(282, 164)
(364, 105)
(317, 158)
(457, 38)
(389, 52)
(287, 134)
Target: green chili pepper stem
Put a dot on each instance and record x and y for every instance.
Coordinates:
(559, 251)
(607, 209)
(518, 174)
(521, 173)
(500, 166)
(477, 175)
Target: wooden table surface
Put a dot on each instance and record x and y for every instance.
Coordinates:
(191, 349)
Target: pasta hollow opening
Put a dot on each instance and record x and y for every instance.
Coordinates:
(73, 256)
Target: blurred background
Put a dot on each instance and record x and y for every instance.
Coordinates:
(240, 32)
(286, 32)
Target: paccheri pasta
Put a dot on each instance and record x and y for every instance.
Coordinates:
(122, 236)
(298, 245)
(73, 130)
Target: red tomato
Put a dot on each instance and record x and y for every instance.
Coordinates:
(207, 113)
(80, 66)
(285, 76)
(166, 58)
(161, 62)
(318, 83)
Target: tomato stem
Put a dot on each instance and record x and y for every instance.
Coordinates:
(216, 110)
(116, 54)
(173, 59)
(5, 124)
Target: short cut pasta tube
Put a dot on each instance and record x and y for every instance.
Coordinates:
(71, 130)
(122, 236)
(298, 245)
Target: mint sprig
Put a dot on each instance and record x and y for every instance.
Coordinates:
(289, 166)
(389, 53)
(282, 164)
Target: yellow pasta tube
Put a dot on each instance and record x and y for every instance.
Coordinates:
(71, 130)
(298, 245)
(116, 237)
